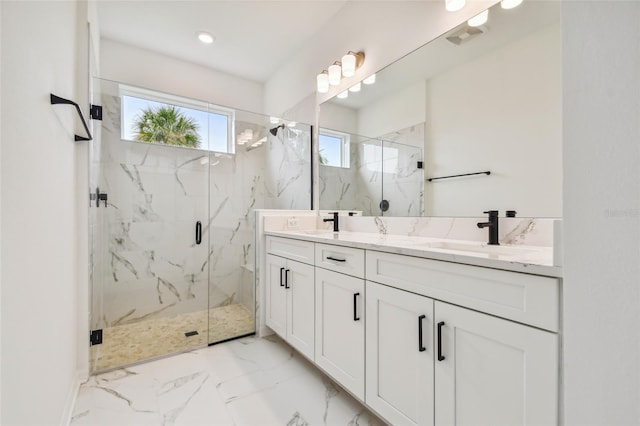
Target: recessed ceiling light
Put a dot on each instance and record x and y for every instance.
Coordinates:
(205, 37)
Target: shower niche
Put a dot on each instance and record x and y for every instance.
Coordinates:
(172, 248)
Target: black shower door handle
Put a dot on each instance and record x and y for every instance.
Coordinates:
(198, 232)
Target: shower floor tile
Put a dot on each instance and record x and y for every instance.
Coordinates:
(248, 381)
(130, 343)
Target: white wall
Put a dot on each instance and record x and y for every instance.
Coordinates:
(601, 173)
(500, 112)
(128, 64)
(398, 111)
(0, 223)
(40, 45)
(339, 117)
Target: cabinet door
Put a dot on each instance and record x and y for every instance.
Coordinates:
(399, 354)
(276, 296)
(299, 285)
(340, 328)
(494, 371)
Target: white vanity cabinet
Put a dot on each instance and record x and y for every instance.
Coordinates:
(421, 341)
(480, 369)
(340, 318)
(290, 300)
(491, 371)
(472, 367)
(399, 355)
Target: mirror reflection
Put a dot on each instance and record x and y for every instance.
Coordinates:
(478, 98)
(371, 176)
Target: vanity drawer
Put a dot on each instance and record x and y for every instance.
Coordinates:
(529, 299)
(302, 251)
(346, 260)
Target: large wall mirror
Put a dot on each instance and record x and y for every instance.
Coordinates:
(476, 99)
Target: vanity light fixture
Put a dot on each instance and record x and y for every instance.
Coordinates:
(343, 95)
(205, 37)
(356, 87)
(510, 4)
(351, 62)
(370, 80)
(454, 5)
(335, 73)
(479, 19)
(322, 82)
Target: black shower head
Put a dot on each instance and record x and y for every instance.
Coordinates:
(274, 131)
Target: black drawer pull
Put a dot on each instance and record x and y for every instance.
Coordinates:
(281, 280)
(440, 356)
(198, 232)
(421, 347)
(286, 279)
(336, 259)
(355, 307)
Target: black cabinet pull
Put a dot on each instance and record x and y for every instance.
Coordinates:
(286, 279)
(440, 356)
(281, 280)
(355, 307)
(198, 232)
(421, 347)
(336, 259)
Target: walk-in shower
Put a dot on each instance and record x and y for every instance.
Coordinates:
(172, 261)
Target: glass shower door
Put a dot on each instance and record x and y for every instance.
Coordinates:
(402, 179)
(172, 230)
(149, 271)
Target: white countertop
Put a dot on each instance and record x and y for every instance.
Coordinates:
(518, 258)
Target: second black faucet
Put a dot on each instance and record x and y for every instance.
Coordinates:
(492, 224)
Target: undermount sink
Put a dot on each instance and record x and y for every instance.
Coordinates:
(477, 248)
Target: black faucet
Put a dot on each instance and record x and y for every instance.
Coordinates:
(334, 220)
(492, 224)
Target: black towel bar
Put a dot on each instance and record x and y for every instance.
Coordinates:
(465, 174)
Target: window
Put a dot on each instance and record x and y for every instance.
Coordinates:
(334, 148)
(155, 117)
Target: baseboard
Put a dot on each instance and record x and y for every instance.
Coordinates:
(72, 395)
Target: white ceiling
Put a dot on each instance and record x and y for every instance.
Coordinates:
(253, 38)
(440, 55)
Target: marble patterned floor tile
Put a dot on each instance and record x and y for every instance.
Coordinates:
(248, 381)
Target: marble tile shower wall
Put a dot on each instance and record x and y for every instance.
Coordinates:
(145, 260)
(403, 182)
(356, 187)
(376, 174)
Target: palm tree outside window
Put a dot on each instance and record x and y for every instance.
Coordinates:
(154, 117)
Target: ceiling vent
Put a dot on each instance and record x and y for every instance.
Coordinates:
(466, 33)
